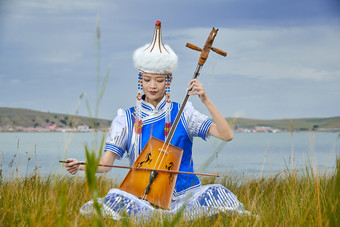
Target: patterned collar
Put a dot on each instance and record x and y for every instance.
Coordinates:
(149, 111)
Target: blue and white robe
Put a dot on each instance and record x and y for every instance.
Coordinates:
(188, 195)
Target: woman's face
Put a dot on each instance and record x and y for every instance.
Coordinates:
(153, 87)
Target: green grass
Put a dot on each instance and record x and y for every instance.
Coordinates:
(289, 198)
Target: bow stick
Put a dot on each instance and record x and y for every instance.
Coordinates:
(147, 169)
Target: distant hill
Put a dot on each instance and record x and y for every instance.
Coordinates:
(301, 124)
(26, 118)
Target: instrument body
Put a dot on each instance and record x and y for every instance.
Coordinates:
(155, 155)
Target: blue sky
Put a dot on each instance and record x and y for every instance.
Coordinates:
(283, 55)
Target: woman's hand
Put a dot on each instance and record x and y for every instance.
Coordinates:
(220, 128)
(196, 88)
(72, 166)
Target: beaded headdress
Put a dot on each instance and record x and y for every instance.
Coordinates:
(157, 58)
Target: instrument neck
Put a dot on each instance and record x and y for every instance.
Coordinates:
(178, 116)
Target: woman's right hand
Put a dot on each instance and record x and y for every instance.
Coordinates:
(72, 166)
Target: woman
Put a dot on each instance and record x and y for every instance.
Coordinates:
(152, 116)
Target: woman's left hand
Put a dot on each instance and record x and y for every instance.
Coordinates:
(196, 88)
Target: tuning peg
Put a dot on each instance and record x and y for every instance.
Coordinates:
(192, 46)
(218, 51)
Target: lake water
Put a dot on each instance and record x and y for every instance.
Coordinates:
(250, 154)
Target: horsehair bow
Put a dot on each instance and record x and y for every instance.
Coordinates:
(146, 169)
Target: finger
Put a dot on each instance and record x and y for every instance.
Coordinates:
(190, 88)
(195, 81)
(71, 163)
(68, 161)
(192, 81)
(199, 86)
(197, 91)
(194, 92)
(73, 171)
(71, 168)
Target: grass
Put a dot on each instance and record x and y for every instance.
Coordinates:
(286, 199)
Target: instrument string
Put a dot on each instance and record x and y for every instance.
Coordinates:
(163, 152)
(166, 146)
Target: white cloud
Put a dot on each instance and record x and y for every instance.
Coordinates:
(62, 56)
(318, 75)
(52, 5)
(15, 81)
(36, 34)
(238, 114)
(275, 53)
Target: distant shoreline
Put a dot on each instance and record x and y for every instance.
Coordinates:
(25, 120)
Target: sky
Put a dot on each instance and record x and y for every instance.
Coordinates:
(283, 55)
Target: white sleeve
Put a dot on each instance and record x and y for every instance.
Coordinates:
(116, 141)
(197, 123)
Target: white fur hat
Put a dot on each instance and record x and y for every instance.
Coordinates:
(155, 57)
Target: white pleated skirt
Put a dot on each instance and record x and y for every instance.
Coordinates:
(203, 201)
